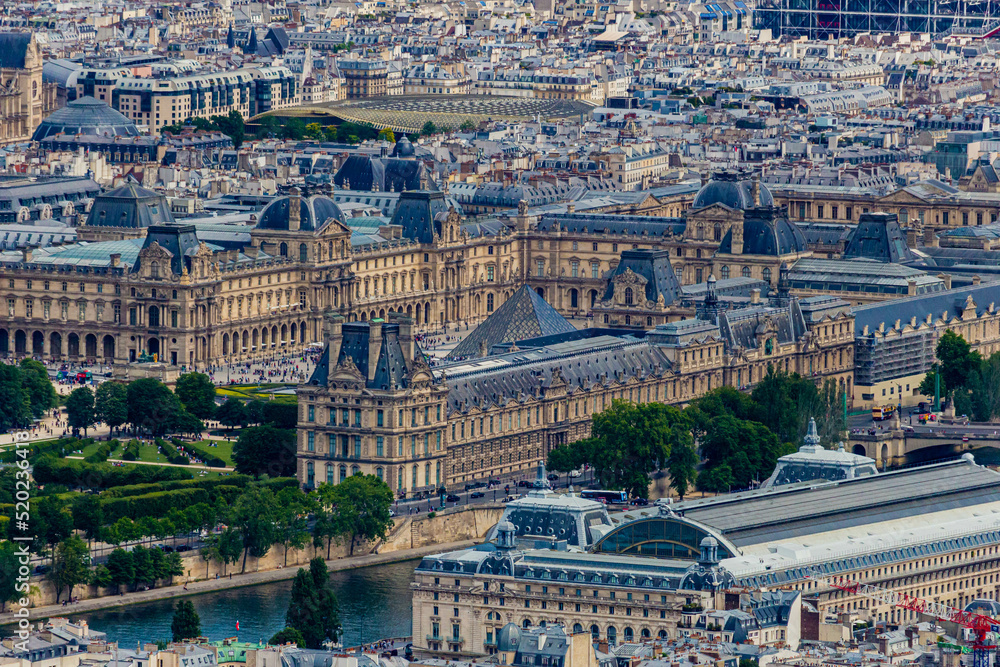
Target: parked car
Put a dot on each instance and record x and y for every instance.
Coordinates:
(523, 482)
(575, 473)
(477, 494)
(475, 485)
(552, 477)
(638, 501)
(452, 498)
(182, 548)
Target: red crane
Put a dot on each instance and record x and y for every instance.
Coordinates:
(980, 624)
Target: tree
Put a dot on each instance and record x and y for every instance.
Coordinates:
(958, 361)
(291, 527)
(101, 577)
(281, 415)
(254, 515)
(268, 127)
(145, 568)
(41, 394)
(255, 411)
(186, 623)
(226, 547)
(80, 408)
(231, 125)
(70, 565)
(121, 567)
(52, 520)
(313, 609)
(294, 128)
(682, 462)
(265, 450)
(197, 394)
(287, 636)
(467, 126)
(315, 131)
(88, 515)
(9, 565)
(428, 129)
(151, 405)
(360, 506)
(386, 134)
(748, 450)
(111, 404)
(15, 404)
(629, 442)
(231, 413)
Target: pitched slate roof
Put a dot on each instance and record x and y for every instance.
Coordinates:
(879, 237)
(13, 49)
(129, 206)
(655, 267)
(524, 315)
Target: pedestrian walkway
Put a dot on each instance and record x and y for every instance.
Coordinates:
(236, 581)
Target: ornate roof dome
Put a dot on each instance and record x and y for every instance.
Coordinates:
(766, 233)
(129, 206)
(86, 116)
(726, 188)
(403, 148)
(313, 213)
(508, 638)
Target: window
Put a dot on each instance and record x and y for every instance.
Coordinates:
(595, 269)
(745, 272)
(628, 296)
(489, 303)
(574, 268)
(379, 446)
(311, 412)
(311, 441)
(766, 274)
(379, 418)
(540, 268)
(724, 271)
(490, 273)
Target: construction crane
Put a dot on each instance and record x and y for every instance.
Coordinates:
(980, 624)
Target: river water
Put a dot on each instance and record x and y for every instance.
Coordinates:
(375, 603)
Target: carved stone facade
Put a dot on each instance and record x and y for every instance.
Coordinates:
(24, 98)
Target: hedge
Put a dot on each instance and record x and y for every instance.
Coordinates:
(151, 504)
(103, 452)
(170, 450)
(211, 460)
(75, 473)
(197, 483)
(131, 452)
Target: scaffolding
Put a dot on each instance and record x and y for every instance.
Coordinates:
(823, 19)
(877, 359)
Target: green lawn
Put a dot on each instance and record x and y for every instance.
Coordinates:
(223, 449)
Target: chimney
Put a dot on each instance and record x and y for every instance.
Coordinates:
(570, 208)
(930, 238)
(976, 280)
(374, 347)
(294, 210)
(26, 253)
(116, 259)
(946, 279)
(755, 295)
(334, 334)
(911, 237)
(911, 287)
(755, 189)
(405, 335)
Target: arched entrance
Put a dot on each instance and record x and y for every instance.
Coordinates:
(225, 344)
(109, 347)
(55, 344)
(574, 299)
(540, 292)
(593, 298)
(90, 344)
(4, 342)
(73, 345)
(20, 342)
(38, 343)
(859, 449)
(153, 347)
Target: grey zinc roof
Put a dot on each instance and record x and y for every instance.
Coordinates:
(524, 315)
(775, 515)
(13, 49)
(655, 267)
(950, 303)
(860, 276)
(879, 237)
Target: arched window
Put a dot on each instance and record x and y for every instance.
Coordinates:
(355, 470)
(310, 474)
(283, 250)
(766, 275)
(700, 232)
(343, 473)
(745, 272)
(329, 473)
(904, 216)
(379, 473)
(769, 346)
(577, 628)
(303, 252)
(489, 303)
(628, 296)
(154, 269)
(717, 232)
(724, 271)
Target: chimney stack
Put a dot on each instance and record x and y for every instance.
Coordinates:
(374, 347)
(755, 189)
(334, 334)
(405, 335)
(26, 253)
(755, 296)
(930, 238)
(294, 210)
(116, 259)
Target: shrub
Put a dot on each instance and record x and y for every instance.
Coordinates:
(211, 460)
(131, 452)
(74, 473)
(155, 504)
(103, 452)
(169, 450)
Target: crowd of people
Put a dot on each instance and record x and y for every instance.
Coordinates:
(275, 368)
